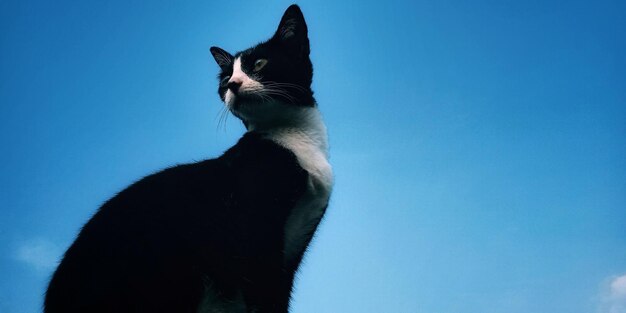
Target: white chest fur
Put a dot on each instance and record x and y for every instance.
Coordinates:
(307, 139)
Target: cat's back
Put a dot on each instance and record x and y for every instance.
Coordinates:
(154, 246)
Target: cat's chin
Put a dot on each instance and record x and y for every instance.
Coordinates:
(238, 102)
(242, 107)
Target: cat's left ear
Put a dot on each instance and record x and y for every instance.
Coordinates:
(223, 58)
(292, 32)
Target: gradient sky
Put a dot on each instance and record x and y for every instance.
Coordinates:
(478, 146)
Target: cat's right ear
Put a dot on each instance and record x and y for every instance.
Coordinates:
(223, 58)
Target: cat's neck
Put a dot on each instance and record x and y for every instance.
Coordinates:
(304, 133)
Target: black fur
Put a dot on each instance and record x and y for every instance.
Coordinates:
(154, 246)
(217, 225)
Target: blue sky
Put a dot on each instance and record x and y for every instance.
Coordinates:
(478, 146)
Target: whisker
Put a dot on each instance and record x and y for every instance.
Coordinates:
(223, 116)
(281, 93)
(288, 85)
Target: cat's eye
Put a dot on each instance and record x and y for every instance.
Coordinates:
(259, 64)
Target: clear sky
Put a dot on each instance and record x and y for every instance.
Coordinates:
(479, 146)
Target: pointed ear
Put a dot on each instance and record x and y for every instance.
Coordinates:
(223, 58)
(292, 32)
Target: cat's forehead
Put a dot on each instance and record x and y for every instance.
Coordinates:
(262, 50)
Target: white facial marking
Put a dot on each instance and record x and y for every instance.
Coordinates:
(247, 84)
(238, 74)
(229, 97)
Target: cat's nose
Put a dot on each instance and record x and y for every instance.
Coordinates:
(234, 85)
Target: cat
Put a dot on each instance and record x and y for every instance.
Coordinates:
(225, 234)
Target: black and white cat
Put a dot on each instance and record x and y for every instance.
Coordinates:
(221, 235)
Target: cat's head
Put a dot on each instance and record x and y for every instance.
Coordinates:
(268, 81)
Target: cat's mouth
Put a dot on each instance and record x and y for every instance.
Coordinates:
(242, 98)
